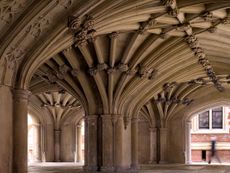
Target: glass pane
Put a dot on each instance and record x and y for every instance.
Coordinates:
(217, 118)
(204, 120)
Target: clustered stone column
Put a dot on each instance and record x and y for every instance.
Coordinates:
(163, 144)
(188, 142)
(107, 143)
(91, 143)
(57, 140)
(134, 139)
(152, 144)
(118, 127)
(20, 130)
(6, 126)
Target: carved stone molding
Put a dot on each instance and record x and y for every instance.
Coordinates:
(208, 16)
(82, 31)
(38, 26)
(113, 35)
(199, 53)
(9, 9)
(122, 67)
(148, 73)
(65, 3)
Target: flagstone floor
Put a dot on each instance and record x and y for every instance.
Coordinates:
(75, 168)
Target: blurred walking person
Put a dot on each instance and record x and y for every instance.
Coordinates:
(213, 152)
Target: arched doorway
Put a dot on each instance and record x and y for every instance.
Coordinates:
(212, 121)
(34, 139)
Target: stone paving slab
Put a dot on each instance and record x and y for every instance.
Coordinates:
(75, 168)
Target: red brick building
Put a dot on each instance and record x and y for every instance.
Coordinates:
(209, 123)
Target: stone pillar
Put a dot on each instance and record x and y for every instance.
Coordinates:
(188, 151)
(152, 145)
(6, 132)
(163, 144)
(91, 152)
(57, 147)
(20, 131)
(134, 139)
(78, 149)
(118, 144)
(107, 143)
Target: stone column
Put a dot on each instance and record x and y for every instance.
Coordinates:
(152, 145)
(6, 132)
(134, 139)
(91, 152)
(20, 131)
(78, 151)
(118, 164)
(163, 144)
(188, 151)
(107, 143)
(57, 147)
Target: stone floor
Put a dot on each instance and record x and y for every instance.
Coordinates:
(75, 168)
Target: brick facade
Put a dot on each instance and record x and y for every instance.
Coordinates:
(200, 142)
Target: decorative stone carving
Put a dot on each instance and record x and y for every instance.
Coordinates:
(82, 32)
(147, 72)
(65, 3)
(111, 70)
(173, 12)
(168, 86)
(169, 3)
(52, 78)
(101, 67)
(92, 71)
(74, 72)
(39, 25)
(122, 67)
(113, 35)
(132, 72)
(208, 16)
(9, 9)
(212, 29)
(74, 23)
(225, 20)
(199, 53)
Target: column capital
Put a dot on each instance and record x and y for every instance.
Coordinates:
(134, 120)
(91, 117)
(163, 129)
(21, 94)
(152, 129)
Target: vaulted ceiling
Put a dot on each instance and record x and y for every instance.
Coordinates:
(118, 57)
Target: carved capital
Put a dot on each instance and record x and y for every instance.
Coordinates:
(122, 67)
(89, 23)
(113, 35)
(93, 71)
(74, 72)
(101, 67)
(225, 20)
(74, 23)
(208, 16)
(131, 72)
(111, 70)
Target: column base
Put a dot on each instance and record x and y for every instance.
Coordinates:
(107, 168)
(152, 162)
(88, 168)
(163, 162)
(134, 167)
